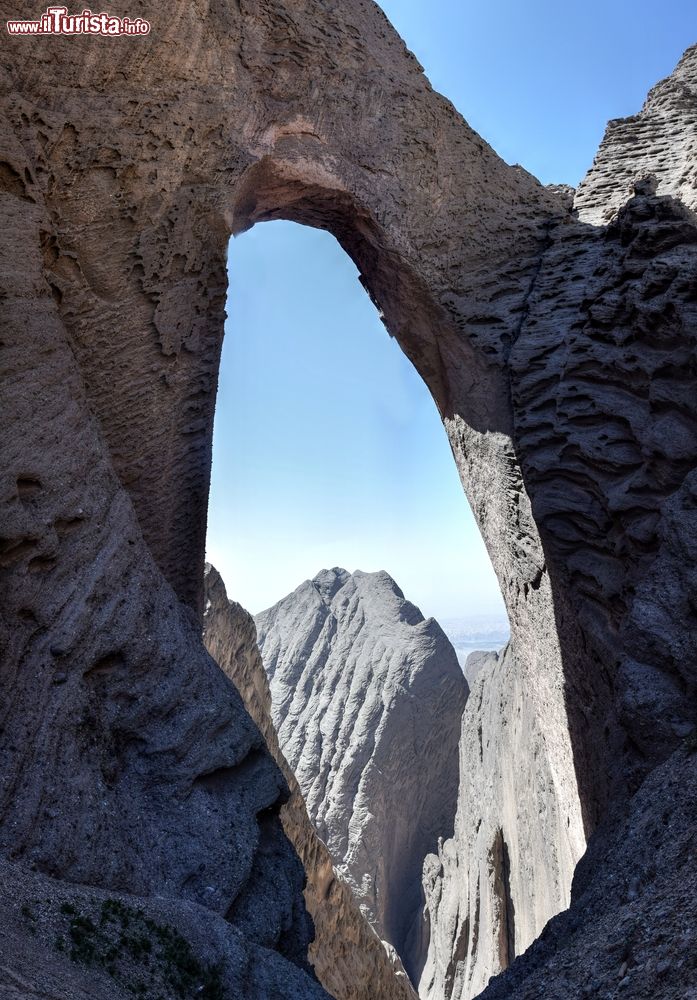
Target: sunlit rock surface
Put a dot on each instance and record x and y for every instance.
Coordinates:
(492, 887)
(367, 698)
(349, 958)
(559, 349)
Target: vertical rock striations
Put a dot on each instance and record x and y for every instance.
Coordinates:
(349, 958)
(518, 834)
(367, 701)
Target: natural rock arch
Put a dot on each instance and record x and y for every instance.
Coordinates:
(121, 183)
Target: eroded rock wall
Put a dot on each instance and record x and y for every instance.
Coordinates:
(631, 930)
(147, 155)
(603, 377)
(491, 888)
(128, 761)
(559, 353)
(660, 141)
(126, 166)
(367, 698)
(349, 958)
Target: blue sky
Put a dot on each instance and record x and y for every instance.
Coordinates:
(327, 446)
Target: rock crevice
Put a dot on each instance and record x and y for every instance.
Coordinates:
(349, 958)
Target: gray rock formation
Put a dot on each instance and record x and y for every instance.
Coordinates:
(62, 941)
(367, 700)
(631, 929)
(349, 958)
(612, 392)
(491, 889)
(476, 662)
(659, 143)
(561, 356)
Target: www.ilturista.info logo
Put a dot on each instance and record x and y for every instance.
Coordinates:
(57, 21)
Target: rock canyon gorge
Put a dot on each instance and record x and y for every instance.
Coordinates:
(317, 803)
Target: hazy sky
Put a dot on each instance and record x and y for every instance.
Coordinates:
(327, 446)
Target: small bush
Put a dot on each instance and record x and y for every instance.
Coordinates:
(140, 954)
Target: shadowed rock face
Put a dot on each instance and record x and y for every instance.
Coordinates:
(559, 352)
(349, 958)
(367, 698)
(601, 382)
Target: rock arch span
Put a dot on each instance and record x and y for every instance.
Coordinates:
(122, 179)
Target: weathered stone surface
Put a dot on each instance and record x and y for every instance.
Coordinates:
(126, 167)
(349, 958)
(491, 889)
(660, 142)
(476, 662)
(603, 382)
(367, 699)
(127, 759)
(560, 354)
(632, 929)
(60, 941)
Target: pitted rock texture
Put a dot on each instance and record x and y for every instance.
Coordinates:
(605, 389)
(126, 165)
(603, 376)
(491, 889)
(367, 699)
(632, 931)
(349, 958)
(659, 143)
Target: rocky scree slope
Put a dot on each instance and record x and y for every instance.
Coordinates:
(349, 958)
(367, 698)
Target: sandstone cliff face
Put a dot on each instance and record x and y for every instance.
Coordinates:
(367, 700)
(349, 958)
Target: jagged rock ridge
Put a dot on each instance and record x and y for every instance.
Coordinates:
(349, 958)
(561, 356)
(367, 700)
(659, 143)
(604, 376)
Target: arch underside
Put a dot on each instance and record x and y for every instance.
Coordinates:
(560, 355)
